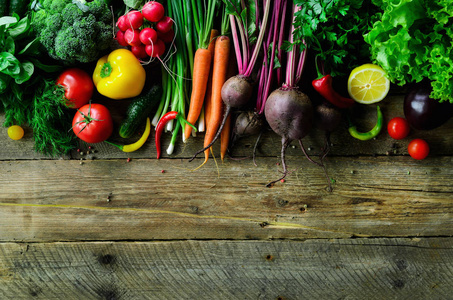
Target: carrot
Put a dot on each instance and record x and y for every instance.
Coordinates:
(200, 75)
(225, 137)
(219, 74)
(207, 100)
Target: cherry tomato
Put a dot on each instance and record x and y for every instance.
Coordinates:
(78, 87)
(93, 123)
(418, 149)
(398, 128)
(15, 132)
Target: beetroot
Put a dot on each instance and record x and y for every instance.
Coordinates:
(289, 113)
(247, 123)
(327, 117)
(236, 92)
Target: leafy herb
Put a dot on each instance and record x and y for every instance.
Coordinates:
(412, 42)
(20, 60)
(51, 121)
(334, 31)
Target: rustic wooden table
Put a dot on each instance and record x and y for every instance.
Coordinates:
(106, 228)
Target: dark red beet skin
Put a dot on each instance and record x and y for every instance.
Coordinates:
(289, 113)
(236, 91)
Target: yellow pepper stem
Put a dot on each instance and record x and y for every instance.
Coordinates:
(106, 70)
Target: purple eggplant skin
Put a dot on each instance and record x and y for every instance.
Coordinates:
(423, 112)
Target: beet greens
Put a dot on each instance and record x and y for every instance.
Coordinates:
(248, 28)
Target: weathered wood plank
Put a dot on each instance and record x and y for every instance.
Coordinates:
(418, 268)
(440, 139)
(63, 200)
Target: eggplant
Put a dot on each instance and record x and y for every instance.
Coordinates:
(422, 112)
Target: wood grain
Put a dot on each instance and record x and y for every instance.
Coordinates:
(312, 269)
(63, 200)
(97, 226)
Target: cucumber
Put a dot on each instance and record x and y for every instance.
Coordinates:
(139, 109)
(19, 7)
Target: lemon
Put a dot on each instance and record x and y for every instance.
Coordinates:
(15, 132)
(368, 84)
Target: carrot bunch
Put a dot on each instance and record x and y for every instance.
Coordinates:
(196, 71)
(203, 16)
(214, 106)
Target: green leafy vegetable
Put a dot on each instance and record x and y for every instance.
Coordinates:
(413, 42)
(20, 57)
(74, 30)
(136, 4)
(51, 121)
(334, 31)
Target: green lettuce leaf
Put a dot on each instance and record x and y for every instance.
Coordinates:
(412, 42)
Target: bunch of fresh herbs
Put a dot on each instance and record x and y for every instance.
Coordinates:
(20, 59)
(333, 30)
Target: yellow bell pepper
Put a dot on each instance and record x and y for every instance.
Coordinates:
(119, 75)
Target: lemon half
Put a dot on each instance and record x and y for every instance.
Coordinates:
(368, 84)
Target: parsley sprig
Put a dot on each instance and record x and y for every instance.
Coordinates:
(334, 31)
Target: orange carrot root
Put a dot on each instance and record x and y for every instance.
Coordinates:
(219, 74)
(201, 70)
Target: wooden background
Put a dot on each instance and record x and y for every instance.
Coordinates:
(97, 226)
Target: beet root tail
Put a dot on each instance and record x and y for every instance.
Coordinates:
(216, 137)
(285, 143)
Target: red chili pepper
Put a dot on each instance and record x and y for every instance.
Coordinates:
(171, 115)
(324, 87)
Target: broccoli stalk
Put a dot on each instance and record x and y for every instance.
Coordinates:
(74, 31)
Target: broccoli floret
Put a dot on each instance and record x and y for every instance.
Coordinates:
(74, 30)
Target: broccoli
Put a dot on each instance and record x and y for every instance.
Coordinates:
(74, 31)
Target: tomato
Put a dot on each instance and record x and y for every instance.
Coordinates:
(418, 149)
(398, 128)
(78, 87)
(15, 132)
(93, 123)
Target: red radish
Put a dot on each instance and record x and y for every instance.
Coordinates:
(156, 49)
(139, 51)
(120, 38)
(132, 37)
(122, 23)
(153, 11)
(134, 19)
(164, 25)
(166, 37)
(148, 36)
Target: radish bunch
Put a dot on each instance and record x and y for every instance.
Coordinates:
(145, 32)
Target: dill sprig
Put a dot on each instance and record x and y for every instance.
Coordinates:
(51, 120)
